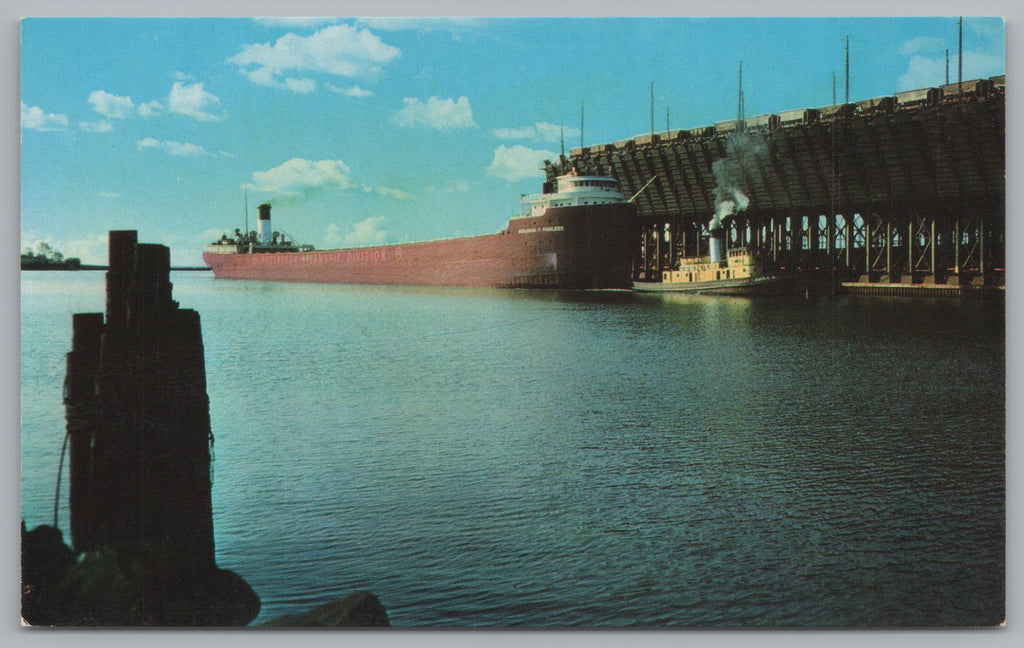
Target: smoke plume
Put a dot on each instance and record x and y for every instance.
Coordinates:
(743, 152)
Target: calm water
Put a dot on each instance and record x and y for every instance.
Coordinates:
(482, 458)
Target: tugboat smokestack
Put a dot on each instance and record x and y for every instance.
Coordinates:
(716, 244)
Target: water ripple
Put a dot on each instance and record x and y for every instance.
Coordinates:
(481, 458)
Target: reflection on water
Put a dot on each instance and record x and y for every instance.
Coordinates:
(714, 313)
(537, 458)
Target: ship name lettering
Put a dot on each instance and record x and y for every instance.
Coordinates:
(556, 228)
(362, 256)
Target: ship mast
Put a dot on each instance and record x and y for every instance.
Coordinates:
(246, 211)
(581, 123)
(563, 162)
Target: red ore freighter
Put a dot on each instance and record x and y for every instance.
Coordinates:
(578, 234)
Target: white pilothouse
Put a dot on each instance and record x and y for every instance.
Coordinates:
(573, 190)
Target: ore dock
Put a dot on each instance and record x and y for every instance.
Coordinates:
(900, 194)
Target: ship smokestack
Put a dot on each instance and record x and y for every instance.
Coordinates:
(264, 228)
(724, 209)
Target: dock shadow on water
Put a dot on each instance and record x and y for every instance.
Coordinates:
(139, 451)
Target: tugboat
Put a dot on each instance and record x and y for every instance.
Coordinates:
(741, 272)
(738, 271)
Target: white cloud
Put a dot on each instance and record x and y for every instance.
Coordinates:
(459, 186)
(353, 91)
(363, 233)
(300, 86)
(539, 132)
(526, 132)
(990, 28)
(297, 175)
(91, 250)
(182, 149)
(193, 101)
(185, 99)
(36, 118)
(265, 77)
(921, 44)
(518, 162)
(981, 66)
(102, 126)
(441, 114)
(366, 232)
(397, 194)
(338, 50)
(925, 72)
(922, 72)
(150, 109)
(111, 106)
(333, 239)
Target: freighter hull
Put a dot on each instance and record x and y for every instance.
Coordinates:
(568, 247)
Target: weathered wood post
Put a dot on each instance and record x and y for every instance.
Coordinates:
(139, 425)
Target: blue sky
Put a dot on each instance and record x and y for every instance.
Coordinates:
(363, 131)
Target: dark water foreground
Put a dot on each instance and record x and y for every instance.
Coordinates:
(484, 458)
